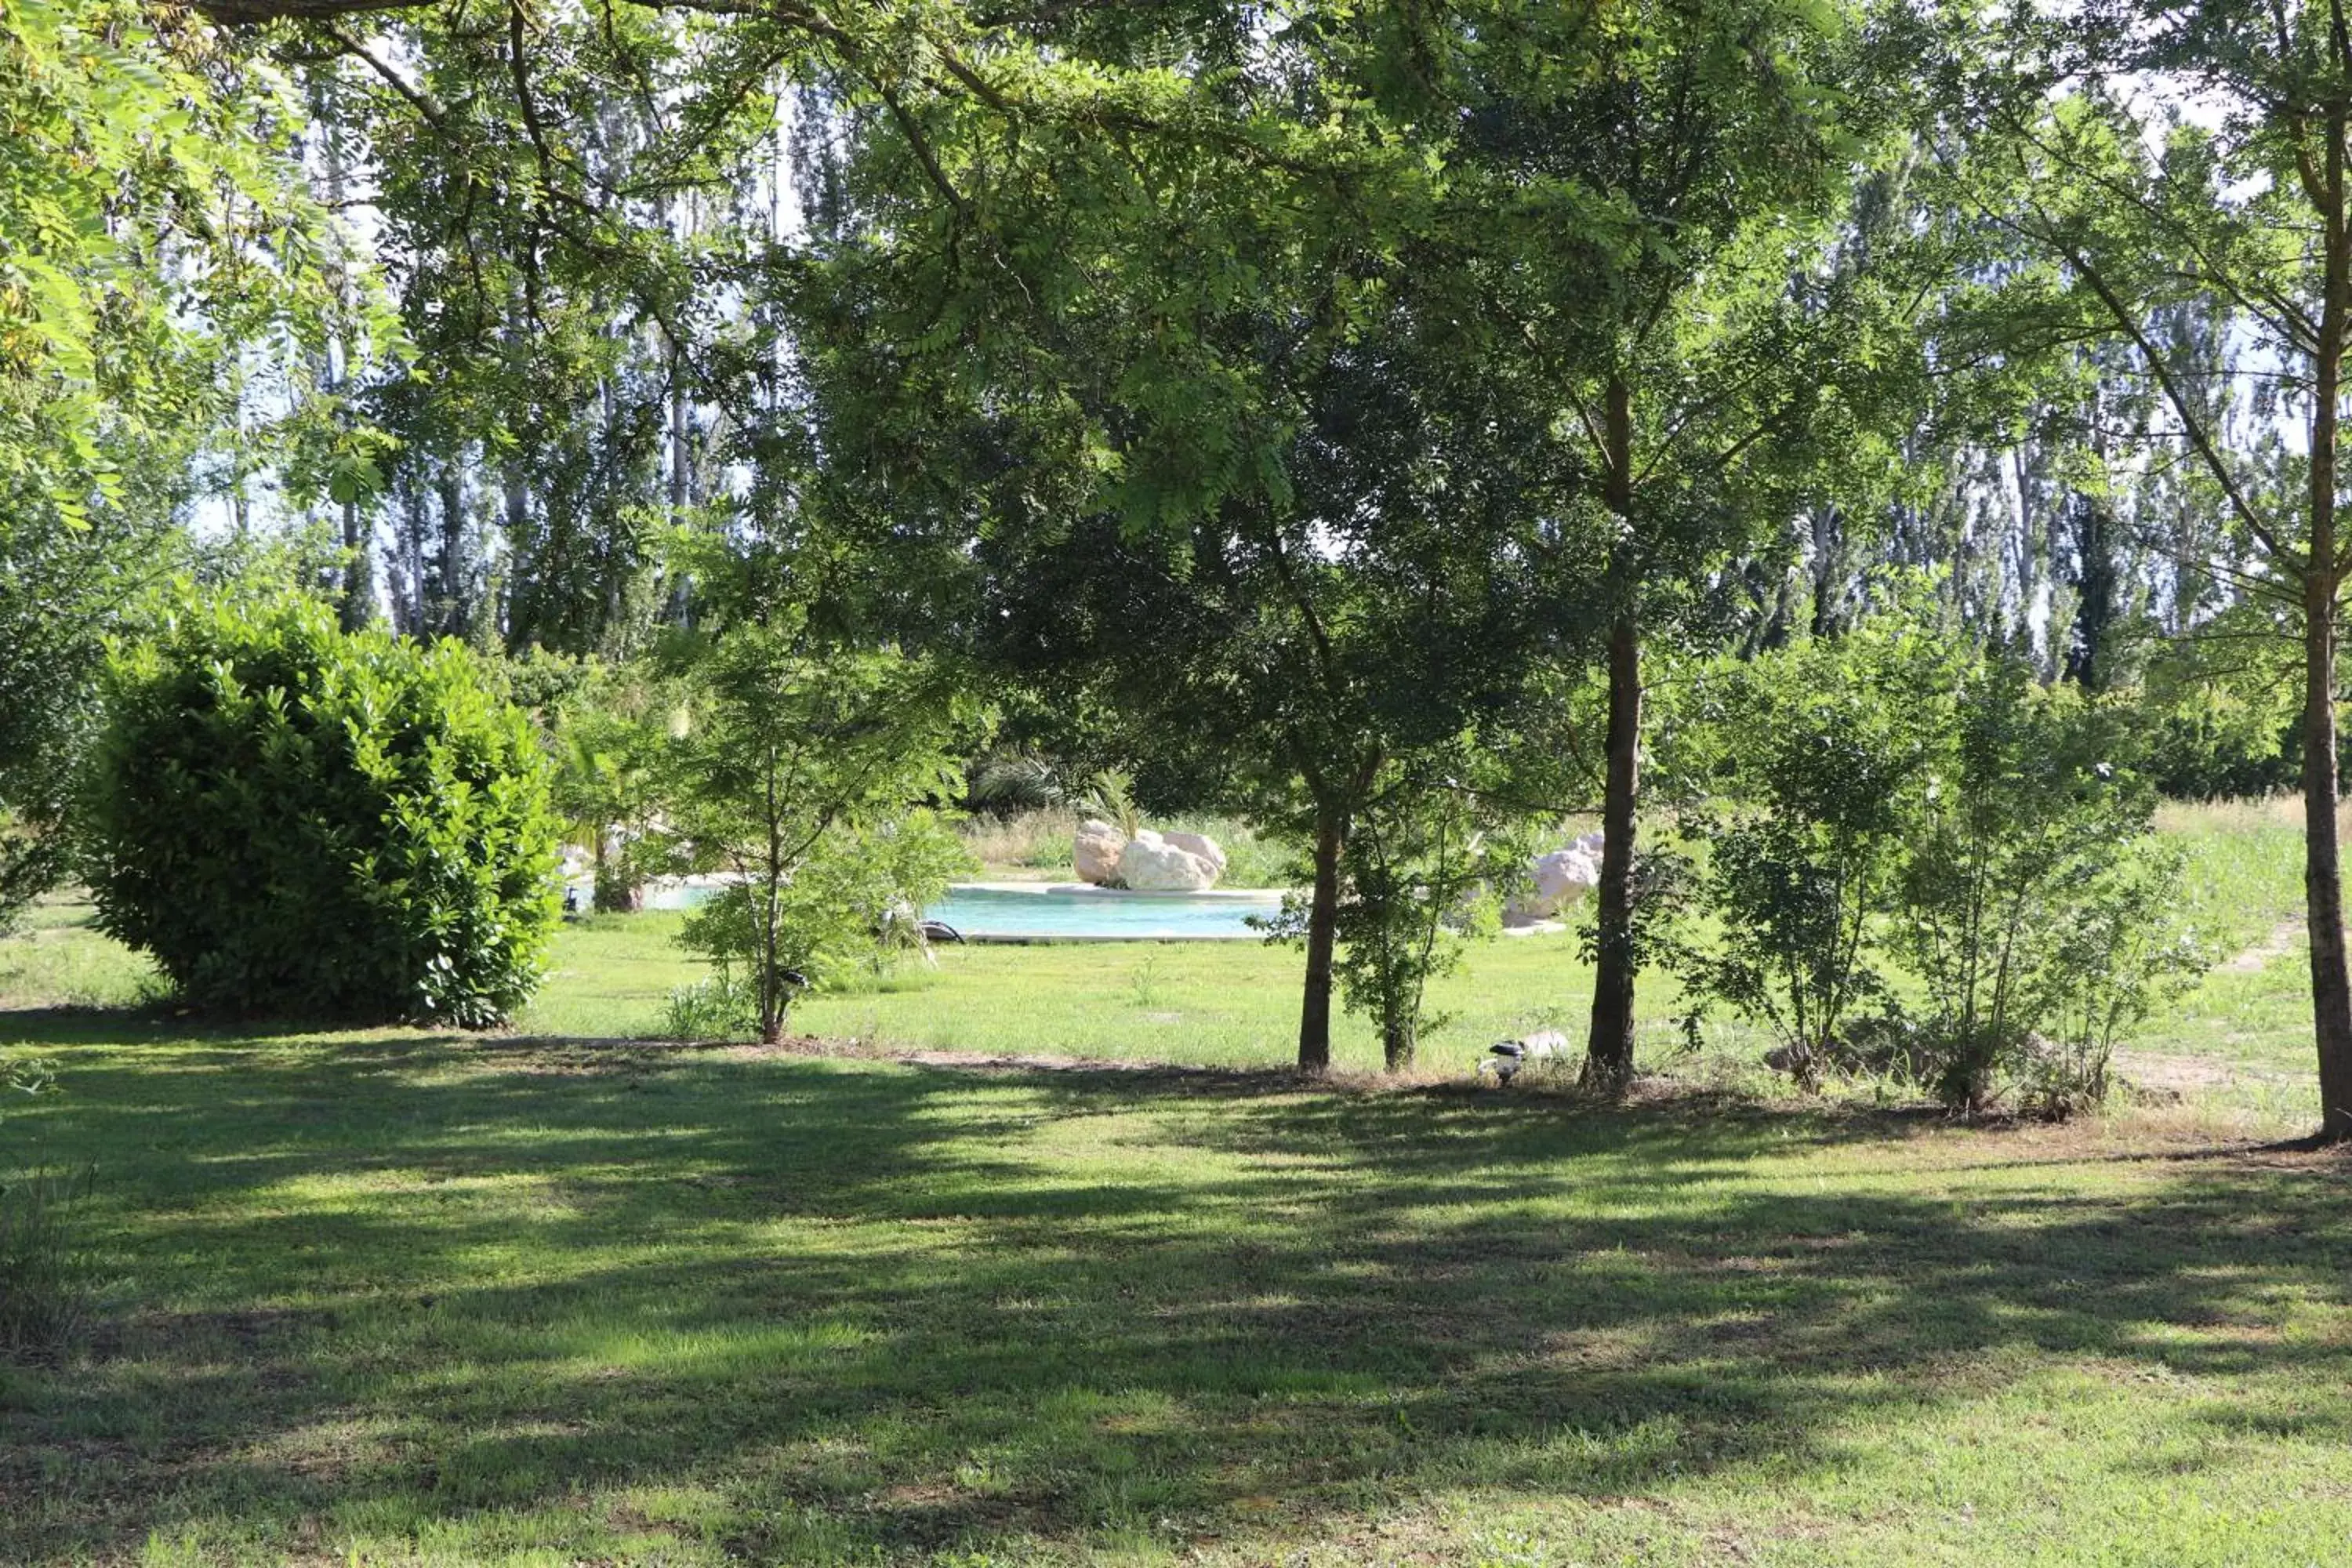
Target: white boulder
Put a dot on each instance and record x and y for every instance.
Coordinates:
(1561, 878)
(1198, 844)
(1095, 852)
(1150, 864)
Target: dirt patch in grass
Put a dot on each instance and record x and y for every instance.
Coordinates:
(2283, 938)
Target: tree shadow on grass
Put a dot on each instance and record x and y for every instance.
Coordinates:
(422, 1280)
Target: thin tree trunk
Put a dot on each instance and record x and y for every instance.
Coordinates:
(1322, 927)
(1609, 1049)
(358, 607)
(2323, 871)
(1397, 1044)
(521, 623)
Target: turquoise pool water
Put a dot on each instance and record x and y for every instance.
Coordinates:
(1068, 914)
(1139, 917)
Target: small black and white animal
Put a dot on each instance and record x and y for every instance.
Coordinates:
(1506, 1057)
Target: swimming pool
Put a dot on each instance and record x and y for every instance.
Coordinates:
(1064, 911)
(1074, 912)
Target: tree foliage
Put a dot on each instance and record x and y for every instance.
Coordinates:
(151, 223)
(801, 771)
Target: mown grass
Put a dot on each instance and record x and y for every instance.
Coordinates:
(404, 1298)
(399, 1298)
(2240, 1039)
(1213, 1004)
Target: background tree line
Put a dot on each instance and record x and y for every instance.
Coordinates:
(1300, 408)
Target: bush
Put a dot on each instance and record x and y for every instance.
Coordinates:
(294, 819)
(1420, 870)
(1820, 748)
(1885, 802)
(719, 1006)
(2038, 906)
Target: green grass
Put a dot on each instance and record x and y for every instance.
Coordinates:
(2242, 1039)
(399, 1298)
(1221, 1003)
(404, 1298)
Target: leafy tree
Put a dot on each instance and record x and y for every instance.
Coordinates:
(1671, 178)
(291, 818)
(160, 248)
(799, 772)
(1208, 439)
(2134, 217)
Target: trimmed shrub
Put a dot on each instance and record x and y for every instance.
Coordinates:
(293, 819)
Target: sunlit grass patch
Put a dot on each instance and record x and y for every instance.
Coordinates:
(424, 1300)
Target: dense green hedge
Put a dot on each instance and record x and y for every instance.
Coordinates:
(296, 820)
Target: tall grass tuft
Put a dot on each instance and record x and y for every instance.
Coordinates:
(46, 1280)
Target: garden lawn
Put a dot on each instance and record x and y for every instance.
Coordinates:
(402, 1297)
(2239, 1044)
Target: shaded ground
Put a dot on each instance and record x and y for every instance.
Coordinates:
(405, 1297)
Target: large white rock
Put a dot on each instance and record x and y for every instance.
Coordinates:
(1561, 878)
(1198, 844)
(1094, 854)
(1150, 864)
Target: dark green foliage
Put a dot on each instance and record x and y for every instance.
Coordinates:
(1820, 752)
(1007, 780)
(292, 820)
(1888, 809)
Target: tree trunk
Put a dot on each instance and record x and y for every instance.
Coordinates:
(1608, 1049)
(1322, 926)
(772, 979)
(521, 620)
(1829, 571)
(1397, 1044)
(357, 607)
(2323, 871)
(2095, 610)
